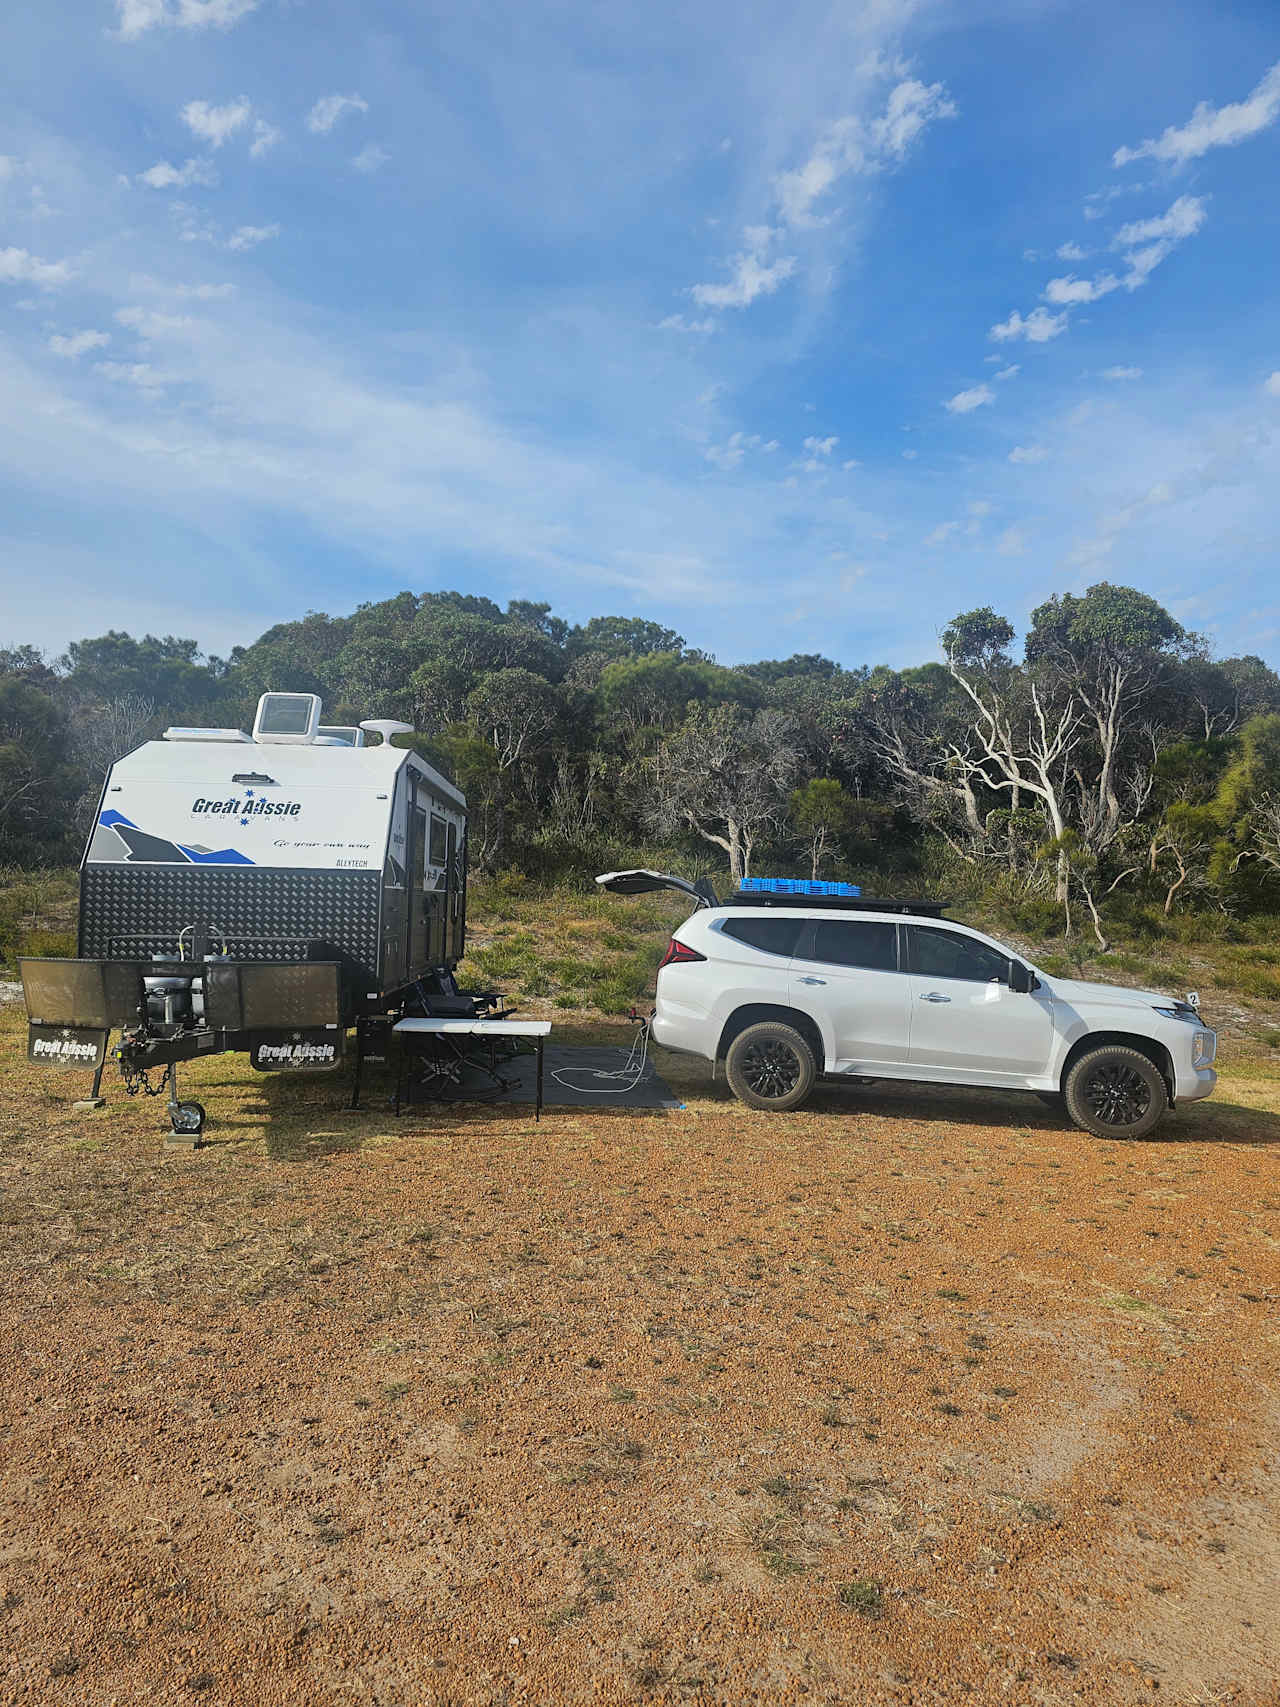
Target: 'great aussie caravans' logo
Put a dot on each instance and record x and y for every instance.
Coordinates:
(248, 807)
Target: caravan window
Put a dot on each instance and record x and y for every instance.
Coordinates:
(439, 840)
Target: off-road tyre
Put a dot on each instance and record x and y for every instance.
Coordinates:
(1115, 1092)
(770, 1066)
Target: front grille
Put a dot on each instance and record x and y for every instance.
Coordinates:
(132, 912)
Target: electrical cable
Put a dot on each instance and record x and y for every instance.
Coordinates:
(634, 1069)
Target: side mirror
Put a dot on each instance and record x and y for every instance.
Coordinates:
(1021, 980)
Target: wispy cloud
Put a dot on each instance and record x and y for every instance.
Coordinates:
(1012, 542)
(265, 137)
(751, 276)
(1211, 127)
(215, 124)
(136, 17)
(164, 176)
(1183, 219)
(858, 145)
(729, 455)
(330, 108)
(77, 343)
(370, 158)
(965, 402)
(821, 447)
(147, 323)
(1028, 453)
(679, 323)
(1037, 327)
(141, 375)
(1122, 373)
(1069, 291)
(1272, 385)
(249, 236)
(1070, 252)
(1010, 372)
(19, 266)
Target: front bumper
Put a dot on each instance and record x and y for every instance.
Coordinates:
(1192, 1083)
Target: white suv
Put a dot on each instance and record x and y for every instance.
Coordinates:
(794, 988)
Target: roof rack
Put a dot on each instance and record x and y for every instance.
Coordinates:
(838, 903)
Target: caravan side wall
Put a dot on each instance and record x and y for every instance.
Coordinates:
(424, 900)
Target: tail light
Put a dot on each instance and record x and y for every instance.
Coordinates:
(679, 953)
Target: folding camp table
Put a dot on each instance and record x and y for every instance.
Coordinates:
(494, 1030)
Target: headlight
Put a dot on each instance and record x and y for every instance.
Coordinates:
(1180, 1010)
(1204, 1046)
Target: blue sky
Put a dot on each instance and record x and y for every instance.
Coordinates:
(799, 327)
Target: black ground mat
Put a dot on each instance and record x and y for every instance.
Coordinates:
(573, 1077)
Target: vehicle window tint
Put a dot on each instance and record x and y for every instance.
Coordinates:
(856, 942)
(439, 838)
(774, 935)
(946, 954)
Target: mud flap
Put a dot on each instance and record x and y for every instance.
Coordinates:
(315, 1049)
(66, 1046)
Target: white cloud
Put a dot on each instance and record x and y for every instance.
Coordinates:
(249, 236)
(138, 16)
(1183, 219)
(821, 447)
(861, 146)
(965, 402)
(19, 266)
(1071, 252)
(215, 124)
(148, 324)
(163, 176)
(910, 455)
(941, 534)
(752, 275)
(330, 108)
(1122, 373)
(1012, 542)
(265, 136)
(728, 455)
(678, 323)
(370, 158)
(77, 343)
(1010, 372)
(980, 507)
(1069, 291)
(1028, 453)
(139, 374)
(1272, 385)
(1212, 127)
(852, 462)
(1037, 328)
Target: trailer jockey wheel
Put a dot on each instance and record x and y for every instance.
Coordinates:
(187, 1119)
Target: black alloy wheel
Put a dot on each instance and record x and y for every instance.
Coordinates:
(1114, 1091)
(771, 1069)
(1116, 1095)
(770, 1066)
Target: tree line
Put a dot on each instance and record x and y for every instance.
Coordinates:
(1110, 755)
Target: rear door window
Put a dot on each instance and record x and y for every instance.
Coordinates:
(947, 954)
(866, 943)
(775, 935)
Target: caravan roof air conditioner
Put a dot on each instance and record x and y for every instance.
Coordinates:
(287, 719)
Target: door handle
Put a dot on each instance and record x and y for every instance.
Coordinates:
(813, 980)
(934, 996)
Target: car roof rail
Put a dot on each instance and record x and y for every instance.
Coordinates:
(839, 903)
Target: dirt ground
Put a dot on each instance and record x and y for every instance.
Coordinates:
(912, 1397)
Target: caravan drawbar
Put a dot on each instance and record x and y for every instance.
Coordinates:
(259, 892)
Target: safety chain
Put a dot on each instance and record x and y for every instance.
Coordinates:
(135, 1080)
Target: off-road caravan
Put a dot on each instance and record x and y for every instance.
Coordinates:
(256, 892)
